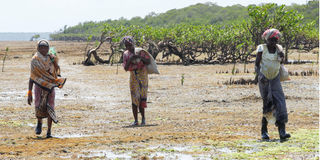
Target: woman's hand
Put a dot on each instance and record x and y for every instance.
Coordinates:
(134, 57)
(281, 55)
(146, 61)
(29, 97)
(51, 56)
(30, 91)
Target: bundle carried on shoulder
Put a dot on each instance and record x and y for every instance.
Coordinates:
(152, 68)
(284, 74)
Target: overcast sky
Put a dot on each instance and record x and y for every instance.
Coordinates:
(52, 15)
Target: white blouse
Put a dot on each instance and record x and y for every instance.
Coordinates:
(270, 62)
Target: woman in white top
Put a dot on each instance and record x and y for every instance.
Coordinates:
(269, 57)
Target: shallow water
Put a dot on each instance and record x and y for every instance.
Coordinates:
(76, 135)
(172, 156)
(104, 154)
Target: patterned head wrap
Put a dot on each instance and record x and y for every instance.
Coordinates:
(128, 39)
(270, 33)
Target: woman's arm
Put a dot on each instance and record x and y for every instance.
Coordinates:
(257, 65)
(258, 59)
(280, 53)
(30, 91)
(56, 66)
(126, 67)
(54, 60)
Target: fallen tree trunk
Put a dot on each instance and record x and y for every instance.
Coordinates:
(90, 52)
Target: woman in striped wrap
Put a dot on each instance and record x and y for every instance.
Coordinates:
(44, 69)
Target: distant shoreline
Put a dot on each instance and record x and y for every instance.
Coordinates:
(22, 36)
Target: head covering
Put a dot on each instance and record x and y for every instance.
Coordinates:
(270, 33)
(43, 42)
(128, 39)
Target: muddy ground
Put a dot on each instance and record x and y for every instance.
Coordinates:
(201, 119)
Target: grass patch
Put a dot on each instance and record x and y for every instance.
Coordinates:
(12, 123)
(303, 144)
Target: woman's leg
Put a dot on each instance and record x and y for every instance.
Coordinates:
(282, 131)
(134, 90)
(264, 129)
(39, 126)
(143, 120)
(51, 99)
(135, 114)
(49, 127)
(143, 95)
(263, 88)
(37, 95)
(281, 108)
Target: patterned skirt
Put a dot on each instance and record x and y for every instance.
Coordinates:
(139, 87)
(44, 103)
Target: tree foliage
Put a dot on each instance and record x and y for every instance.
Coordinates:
(195, 40)
(35, 37)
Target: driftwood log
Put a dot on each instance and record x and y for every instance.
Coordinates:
(115, 48)
(90, 52)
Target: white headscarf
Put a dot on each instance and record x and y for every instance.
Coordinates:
(43, 42)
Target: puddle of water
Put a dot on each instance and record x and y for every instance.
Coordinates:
(175, 148)
(12, 97)
(13, 92)
(72, 136)
(177, 152)
(109, 154)
(314, 87)
(101, 121)
(105, 154)
(252, 148)
(172, 156)
(66, 157)
(65, 98)
(225, 150)
(33, 125)
(179, 149)
(301, 61)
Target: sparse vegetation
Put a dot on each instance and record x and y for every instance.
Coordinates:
(4, 58)
(35, 37)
